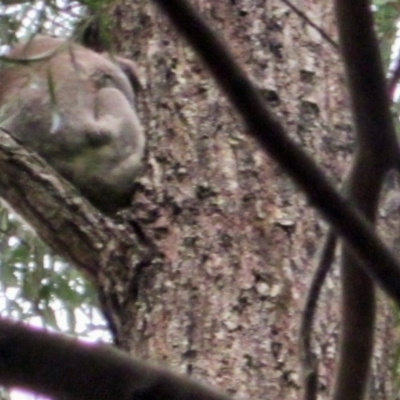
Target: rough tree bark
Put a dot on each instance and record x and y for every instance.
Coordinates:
(238, 242)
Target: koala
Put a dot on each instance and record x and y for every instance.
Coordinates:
(76, 109)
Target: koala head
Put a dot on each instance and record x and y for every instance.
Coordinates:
(76, 109)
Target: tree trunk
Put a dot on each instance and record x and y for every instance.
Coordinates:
(237, 241)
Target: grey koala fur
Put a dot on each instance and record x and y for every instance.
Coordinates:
(76, 109)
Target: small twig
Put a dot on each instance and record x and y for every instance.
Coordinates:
(302, 15)
(394, 77)
(44, 56)
(308, 359)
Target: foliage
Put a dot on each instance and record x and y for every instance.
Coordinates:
(37, 286)
(19, 20)
(386, 18)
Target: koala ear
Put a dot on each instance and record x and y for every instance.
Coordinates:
(130, 69)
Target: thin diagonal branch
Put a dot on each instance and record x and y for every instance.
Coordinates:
(309, 363)
(308, 21)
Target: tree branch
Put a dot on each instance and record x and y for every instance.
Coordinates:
(377, 153)
(71, 226)
(64, 368)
